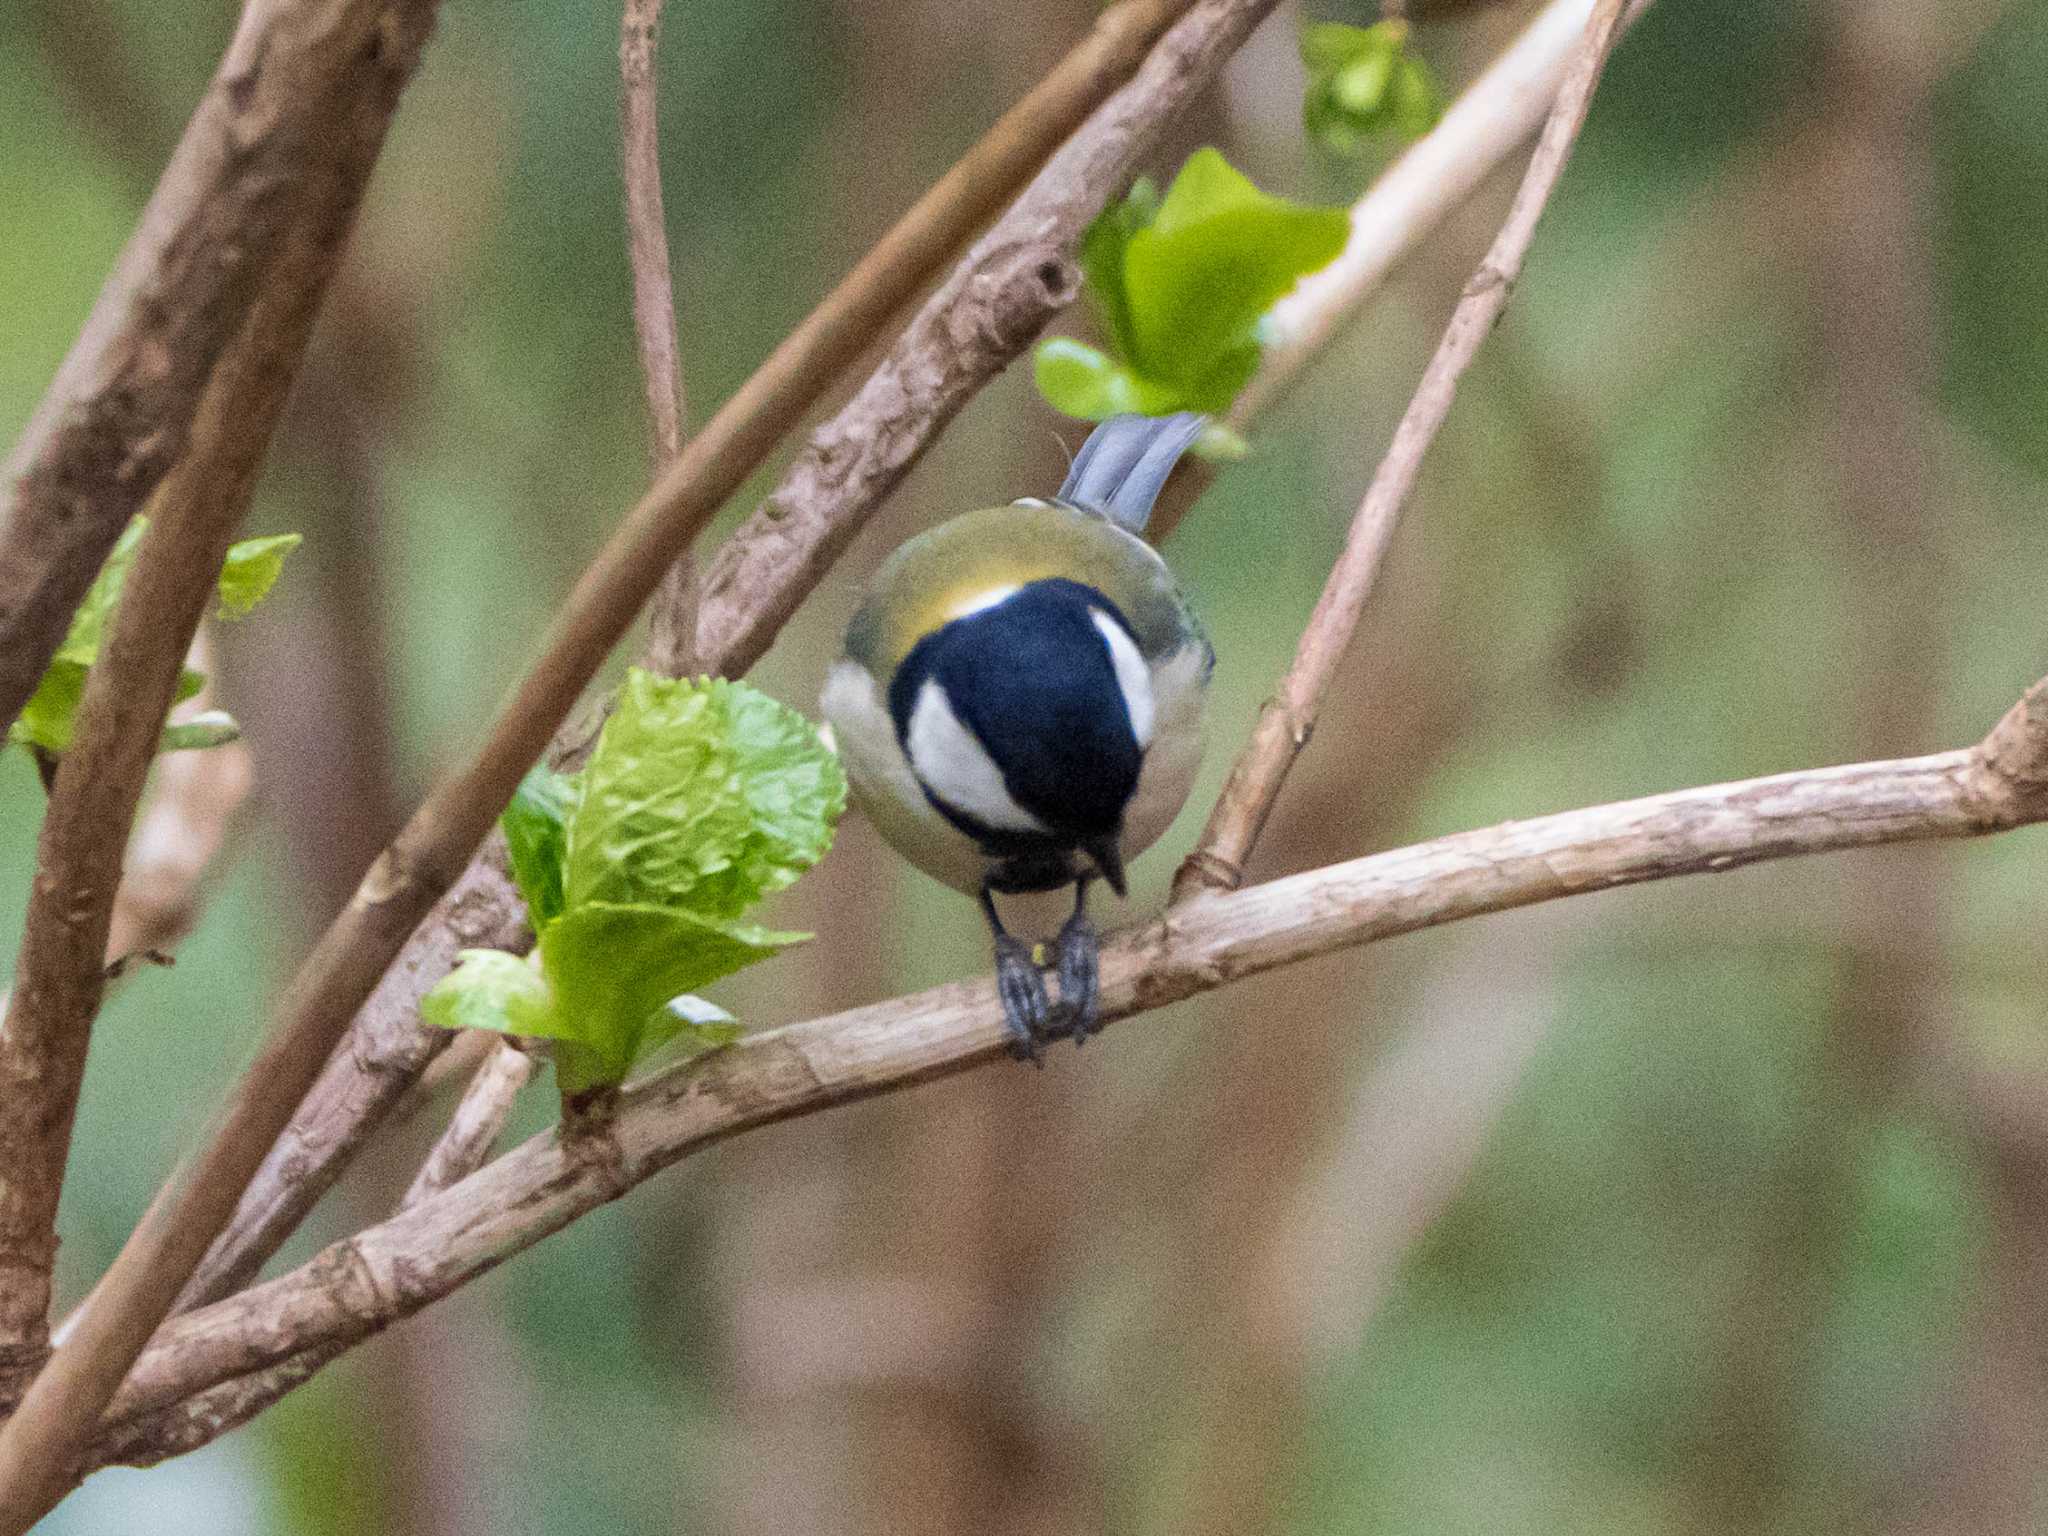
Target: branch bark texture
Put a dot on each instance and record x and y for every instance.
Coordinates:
(121, 408)
(1287, 720)
(364, 1283)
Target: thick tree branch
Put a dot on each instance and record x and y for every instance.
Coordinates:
(363, 1284)
(117, 416)
(127, 695)
(980, 312)
(1287, 720)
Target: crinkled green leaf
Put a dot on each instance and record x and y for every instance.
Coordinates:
(489, 989)
(536, 832)
(1217, 257)
(251, 570)
(209, 728)
(702, 796)
(613, 968)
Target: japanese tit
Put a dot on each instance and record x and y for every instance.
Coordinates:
(1019, 703)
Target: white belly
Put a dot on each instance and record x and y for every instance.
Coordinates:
(887, 791)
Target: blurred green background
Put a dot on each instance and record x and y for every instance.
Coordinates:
(1717, 1205)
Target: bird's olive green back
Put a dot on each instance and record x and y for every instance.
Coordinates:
(952, 570)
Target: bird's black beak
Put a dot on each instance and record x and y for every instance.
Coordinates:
(1109, 862)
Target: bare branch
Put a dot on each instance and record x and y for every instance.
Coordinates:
(672, 616)
(478, 1121)
(387, 1047)
(118, 414)
(60, 977)
(1289, 717)
(476, 1125)
(366, 1282)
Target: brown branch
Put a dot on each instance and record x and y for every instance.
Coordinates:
(478, 1121)
(364, 1283)
(476, 1124)
(119, 412)
(127, 696)
(1289, 717)
(387, 1047)
(672, 616)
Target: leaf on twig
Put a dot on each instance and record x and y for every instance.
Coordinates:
(698, 800)
(1181, 284)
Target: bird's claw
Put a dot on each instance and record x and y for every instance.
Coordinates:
(1080, 945)
(1026, 1008)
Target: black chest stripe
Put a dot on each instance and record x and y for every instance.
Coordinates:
(1032, 678)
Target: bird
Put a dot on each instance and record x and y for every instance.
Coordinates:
(1019, 705)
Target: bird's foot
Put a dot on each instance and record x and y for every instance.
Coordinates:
(1026, 1009)
(1080, 946)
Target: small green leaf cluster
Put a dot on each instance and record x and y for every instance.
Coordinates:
(699, 799)
(50, 717)
(1364, 82)
(1180, 284)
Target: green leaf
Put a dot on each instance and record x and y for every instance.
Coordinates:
(48, 717)
(1363, 82)
(536, 832)
(1102, 258)
(88, 624)
(702, 796)
(251, 570)
(1079, 380)
(209, 728)
(1218, 256)
(489, 989)
(1330, 45)
(613, 968)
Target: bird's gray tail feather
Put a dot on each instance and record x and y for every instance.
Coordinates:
(1120, 469)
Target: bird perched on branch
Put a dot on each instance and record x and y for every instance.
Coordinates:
(1019, 704)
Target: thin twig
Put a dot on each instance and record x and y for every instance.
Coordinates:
(1287, 720)
(981, 310)
(118, 413)
(476, 1124)
(126, 698)
(672, 615)
(366, 1282)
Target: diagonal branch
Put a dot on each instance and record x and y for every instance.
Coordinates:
(118, 414)
(1289, 717)
(964, 334)
(366, 1282)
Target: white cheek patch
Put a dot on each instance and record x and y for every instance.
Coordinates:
(957, 768)
(1133, 677)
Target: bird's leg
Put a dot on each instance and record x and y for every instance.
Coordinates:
(1080, 947)
(1026, 1008)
